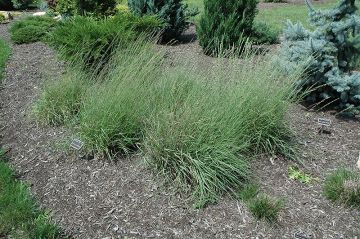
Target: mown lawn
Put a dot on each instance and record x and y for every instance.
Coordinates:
(20, 216)
(276, 16)
(4, 55)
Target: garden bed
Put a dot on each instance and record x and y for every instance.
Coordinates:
(99, 198)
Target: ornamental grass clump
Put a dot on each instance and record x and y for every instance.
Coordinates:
(209, 124)
(343, 186)
(112, 114)
(197, 129)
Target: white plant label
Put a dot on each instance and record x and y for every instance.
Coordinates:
(324, 122)
(76, 144)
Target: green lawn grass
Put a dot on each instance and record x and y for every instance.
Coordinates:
(276, 16)
(4, 55)
(20, 217)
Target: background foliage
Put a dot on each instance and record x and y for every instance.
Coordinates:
(174, 13)
(332, 51)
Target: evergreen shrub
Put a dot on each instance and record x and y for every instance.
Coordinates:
(93, 41)
(226, 24)
(332, 51)
(31, 29)
(174, 13)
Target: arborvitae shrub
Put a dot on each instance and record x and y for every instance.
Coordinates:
(226, 24)
(173, 13)
(332, 51)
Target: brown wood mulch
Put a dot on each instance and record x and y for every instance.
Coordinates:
(103, 199)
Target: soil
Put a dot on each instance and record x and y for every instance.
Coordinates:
(104, 199)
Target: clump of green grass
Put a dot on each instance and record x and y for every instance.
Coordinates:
(196, 128)
(20, 217)
(265, 208)
(249, 192)
(31, 29)
(261, 206)
(112, 114)
(210, 123)
(60, 100)
(5, 51)
(343, 186)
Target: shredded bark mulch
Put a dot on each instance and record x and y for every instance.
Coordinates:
(103, 199)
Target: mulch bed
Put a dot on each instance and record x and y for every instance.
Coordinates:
(103, 199)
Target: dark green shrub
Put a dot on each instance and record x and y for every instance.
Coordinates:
(263, 34)
(21, 4)
(51, 4)
(343, 186)
(66, 7)
(31, 29)
(226, 24)
(93, 41)
(173, 13)
(96, 7)
(6, 5)
(332, 52)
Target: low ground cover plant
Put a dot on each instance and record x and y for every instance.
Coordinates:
(4, 55)
(2, 18)
(265, 208)
(93, 41)
(298, 175)
(31, 29)
(333, 51)
(197, 129)
(343, 186)
(261, 206)
(20, 216)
